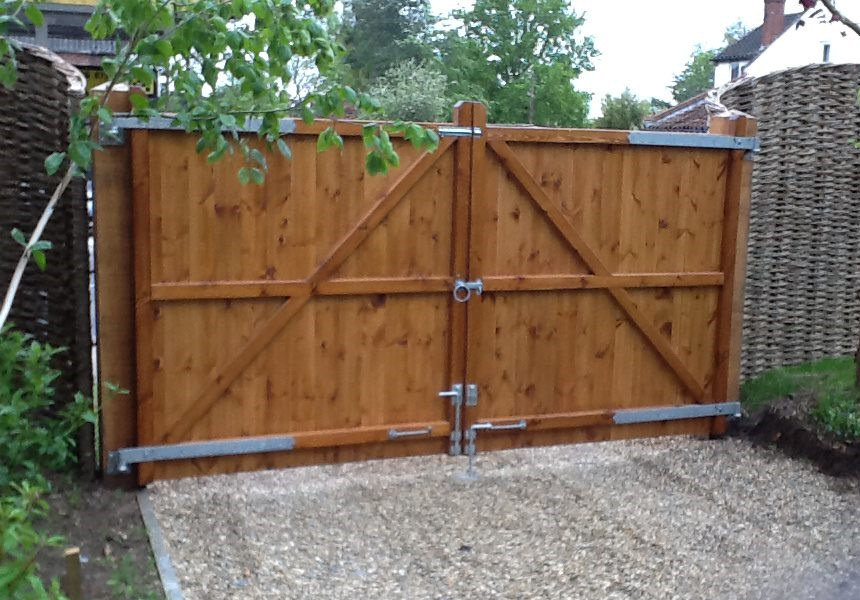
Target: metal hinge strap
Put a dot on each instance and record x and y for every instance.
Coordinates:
(120, 461)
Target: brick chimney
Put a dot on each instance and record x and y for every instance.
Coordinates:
(774, 21)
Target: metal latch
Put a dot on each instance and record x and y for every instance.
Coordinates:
(472, 436)
(463, 289)
(456, 396)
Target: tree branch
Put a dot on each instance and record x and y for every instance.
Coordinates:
(838, 16)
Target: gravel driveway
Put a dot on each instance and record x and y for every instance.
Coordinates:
(656, 519)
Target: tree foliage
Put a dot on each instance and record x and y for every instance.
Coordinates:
(734, 33)
(412, 91)
(623, 112)
(379, 34)
(520, 57)
(697, 76)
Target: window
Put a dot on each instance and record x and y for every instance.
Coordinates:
(736, 70)
(826, 56)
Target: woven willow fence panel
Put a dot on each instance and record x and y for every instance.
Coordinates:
(804, 255)
(52, 305)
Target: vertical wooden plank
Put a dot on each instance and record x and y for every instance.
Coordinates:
(145, 309)
(464, 113)
(733, 261)
(476, 260)
(114, 253)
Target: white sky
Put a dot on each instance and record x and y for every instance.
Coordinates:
(644, 43)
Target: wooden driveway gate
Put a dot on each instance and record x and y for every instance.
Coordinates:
(519, 286)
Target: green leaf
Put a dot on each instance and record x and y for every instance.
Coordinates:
(42, 245)
(53, 162)
(143, 75)
(251, 175)
(18, 236)
(164, 48)
(368, 134)
(284, 149)
(40, 260)
(105, 115)
(35, 15)
(81, 153)
(257, 176)
(257, 157)
(139, 102)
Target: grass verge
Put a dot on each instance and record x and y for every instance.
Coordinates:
(829, 380)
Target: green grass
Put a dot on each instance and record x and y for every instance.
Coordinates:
(830, 380)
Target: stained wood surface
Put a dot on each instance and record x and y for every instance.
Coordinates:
(318, 302)
(603, 266)
(115, 308)
(319, 305)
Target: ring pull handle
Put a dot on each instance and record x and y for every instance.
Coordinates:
(463, 289)
(462, 293)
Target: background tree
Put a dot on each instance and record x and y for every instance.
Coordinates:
(734, 33)
(378, 34)
(413, 91)
(697, 76)
(623, 112)
(521, 57)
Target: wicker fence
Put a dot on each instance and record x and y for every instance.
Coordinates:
(52, 305)
(804, 257)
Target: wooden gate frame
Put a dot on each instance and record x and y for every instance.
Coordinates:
(116, 262)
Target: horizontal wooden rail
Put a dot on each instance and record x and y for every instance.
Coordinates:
(558, 136)
(222, 290)
(591, 282)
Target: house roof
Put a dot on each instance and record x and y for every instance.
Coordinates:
(691, 116)
(749, 46)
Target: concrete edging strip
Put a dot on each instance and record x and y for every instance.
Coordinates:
(169, 581)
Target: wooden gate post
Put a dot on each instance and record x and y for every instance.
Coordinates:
(114, 254)
(733, 260)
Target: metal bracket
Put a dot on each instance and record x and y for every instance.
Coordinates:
(472, 438)
(454, 131)
(456, 396)
(472, 394)
(120, 461)
(692, 140)
(394, 434)
(675, 413)
(463, 289)
(111, 135)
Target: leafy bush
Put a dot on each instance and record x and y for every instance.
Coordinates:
(20, 544)
(33, 438)
(412, 91)
(840, 415)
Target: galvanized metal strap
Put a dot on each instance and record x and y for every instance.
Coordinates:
(120, 461)
(692, 140)
(675, 413)
(455, 131)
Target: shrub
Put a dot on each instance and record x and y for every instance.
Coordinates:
(412, 91)
(20, 544)
(34, 437)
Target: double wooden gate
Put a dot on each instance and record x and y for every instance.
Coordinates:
(315, 318)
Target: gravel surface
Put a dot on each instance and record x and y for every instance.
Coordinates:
(657, 519)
